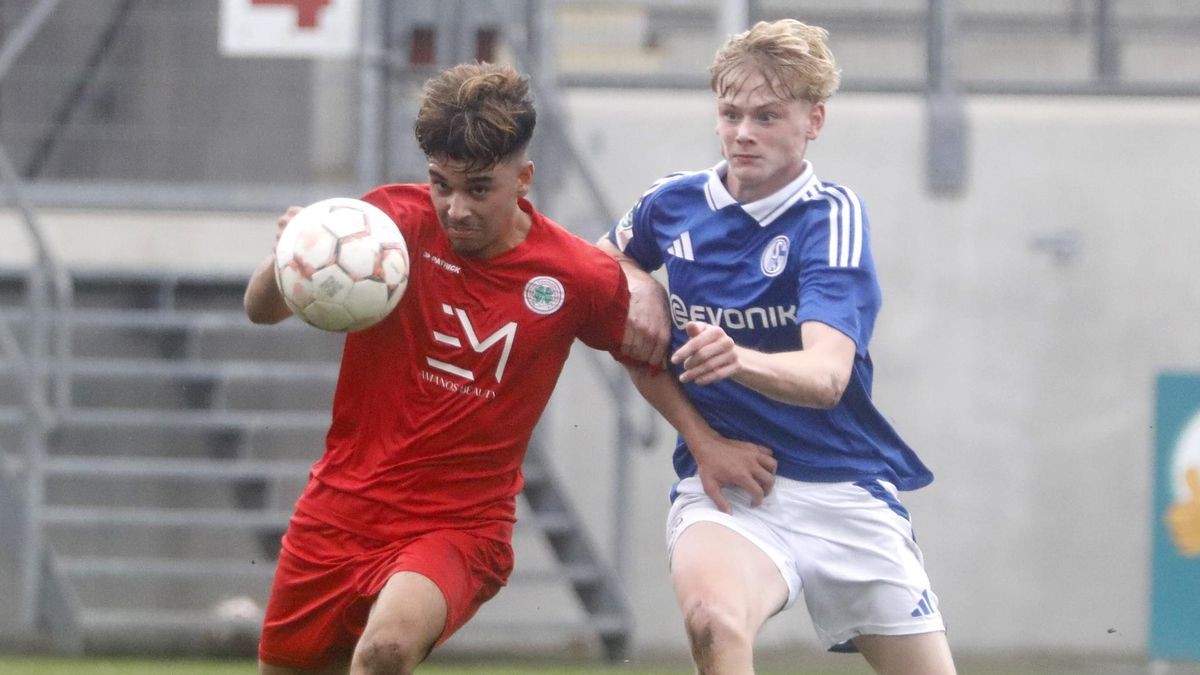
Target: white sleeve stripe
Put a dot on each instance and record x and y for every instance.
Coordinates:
(833, 231)
(856, 256)
(847, 216)
(845, 226)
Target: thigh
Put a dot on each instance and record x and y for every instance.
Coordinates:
(411, 606)
(714, 565)
(730, 561)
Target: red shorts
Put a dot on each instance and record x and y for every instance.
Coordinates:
(327, 579)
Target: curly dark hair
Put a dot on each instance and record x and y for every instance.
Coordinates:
(476, 113)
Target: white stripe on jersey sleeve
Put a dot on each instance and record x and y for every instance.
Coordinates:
(833, 229)
(856, 255)
(844, 252)
(845, 226)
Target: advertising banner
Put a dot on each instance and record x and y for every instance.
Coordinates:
(1175, 586)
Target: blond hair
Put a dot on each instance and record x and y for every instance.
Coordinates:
(791, 55)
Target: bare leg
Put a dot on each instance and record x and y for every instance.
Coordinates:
(726, 588)
(405, 622)
(921, 654)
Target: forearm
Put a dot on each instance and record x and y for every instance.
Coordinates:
(799, 378)
(814, 376)
(262, 301)
(720, 462)
(663, 392)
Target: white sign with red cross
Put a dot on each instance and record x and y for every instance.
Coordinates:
(298, 28)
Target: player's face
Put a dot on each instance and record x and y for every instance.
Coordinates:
(763, 137)
(478, 209)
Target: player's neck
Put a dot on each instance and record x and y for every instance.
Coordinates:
(515, 235)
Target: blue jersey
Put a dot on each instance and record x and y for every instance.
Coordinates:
(758, 271)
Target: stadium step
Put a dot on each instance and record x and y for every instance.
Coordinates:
(81, 418)
(108, 567)
(190, 431)
(123, 467)
(228, 370)
(165, 518)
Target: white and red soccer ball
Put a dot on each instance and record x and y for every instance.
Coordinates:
(341, 264)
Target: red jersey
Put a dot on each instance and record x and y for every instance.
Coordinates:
(435, 405)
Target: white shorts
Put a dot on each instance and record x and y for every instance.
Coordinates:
(848, 546)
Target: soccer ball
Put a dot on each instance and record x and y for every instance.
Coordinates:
(341, 264)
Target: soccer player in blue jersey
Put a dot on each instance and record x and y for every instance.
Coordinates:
(773, 297)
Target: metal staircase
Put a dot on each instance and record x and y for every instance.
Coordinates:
(148, 496)
(170, 477)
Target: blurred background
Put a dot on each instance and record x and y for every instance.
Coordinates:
(1030, 170)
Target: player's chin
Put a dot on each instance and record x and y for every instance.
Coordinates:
(464, 246)
(752, 171)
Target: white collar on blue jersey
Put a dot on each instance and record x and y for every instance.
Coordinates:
(764, 210)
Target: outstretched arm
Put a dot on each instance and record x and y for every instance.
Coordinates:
(720, 461)
(263, 302)
(647, 328)
(814, 377)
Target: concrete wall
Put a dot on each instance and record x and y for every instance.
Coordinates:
(1024, 378)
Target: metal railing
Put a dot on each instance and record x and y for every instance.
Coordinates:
(47, 327)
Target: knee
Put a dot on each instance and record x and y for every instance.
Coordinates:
(377, 655)
(713, 627)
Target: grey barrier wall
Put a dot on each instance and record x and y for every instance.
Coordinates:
(1024, 322)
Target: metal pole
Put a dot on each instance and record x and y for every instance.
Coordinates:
(35, 451)
(373, 84)
(24, 33)
(43, 266)
(451, 47)
(1108, 48)
(946, 166)
(734, 17)
(940, 61)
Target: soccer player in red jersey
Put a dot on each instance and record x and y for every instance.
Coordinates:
(405, 526)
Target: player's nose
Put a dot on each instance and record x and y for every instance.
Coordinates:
(744, 132)
(456, 208)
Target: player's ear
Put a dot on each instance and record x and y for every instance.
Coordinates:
(816, 120)
(525, 178)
